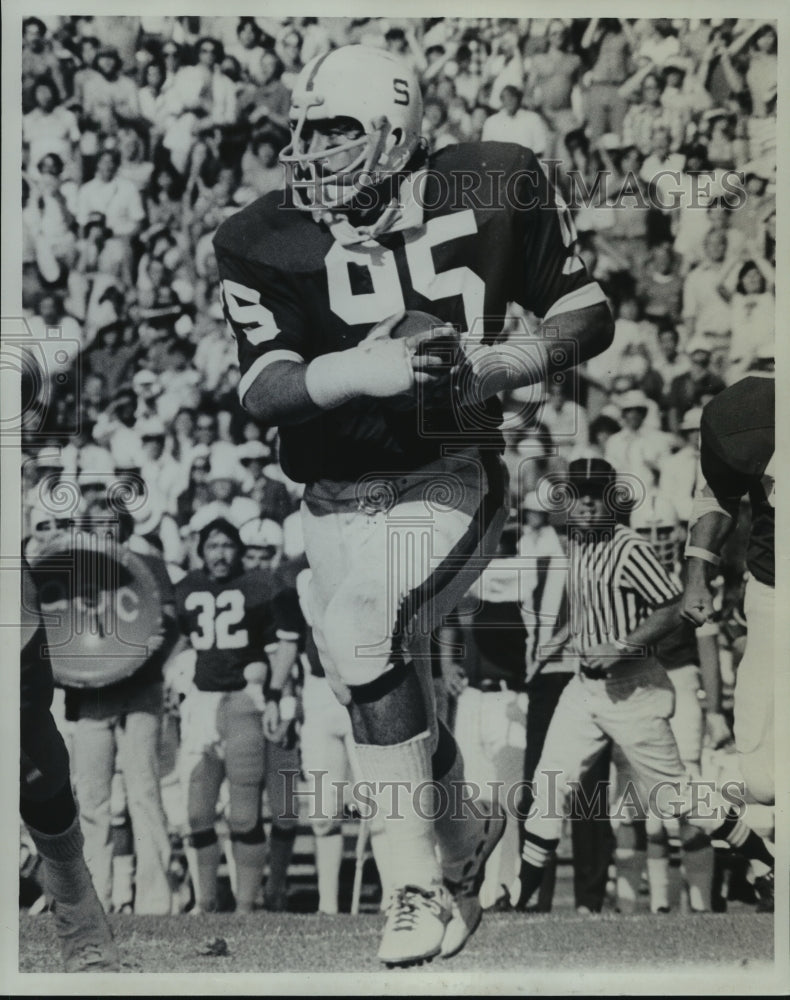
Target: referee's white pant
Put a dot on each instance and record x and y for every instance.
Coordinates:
(632, 707)
(754, 694)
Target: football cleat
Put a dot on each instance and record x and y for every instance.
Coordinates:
(86, 941)
(466, 909)
(416, 922)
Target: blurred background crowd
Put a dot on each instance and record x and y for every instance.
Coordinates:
(142, 134)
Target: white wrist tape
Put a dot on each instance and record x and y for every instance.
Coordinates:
(695, 552)
(379, 368)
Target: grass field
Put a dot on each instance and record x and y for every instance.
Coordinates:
(289, 942)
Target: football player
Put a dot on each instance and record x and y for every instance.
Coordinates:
(313, 284)
(238, 623)
(690, 657)
(48, 809)
(737, 460)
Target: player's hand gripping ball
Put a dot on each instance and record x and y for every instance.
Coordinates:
(433, 360)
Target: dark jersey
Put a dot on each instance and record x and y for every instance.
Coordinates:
(231, 623)
(737, 454)
(493, 231)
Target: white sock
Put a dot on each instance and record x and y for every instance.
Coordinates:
(203, 864)
(328, 855)
(409, 832)
(249, 860)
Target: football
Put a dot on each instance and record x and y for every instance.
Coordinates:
(416, 321)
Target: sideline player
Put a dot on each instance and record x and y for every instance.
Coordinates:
(233, 620)
(48, 808)
(691, 659)
(737, 460)
(622, 602)
(313, 283)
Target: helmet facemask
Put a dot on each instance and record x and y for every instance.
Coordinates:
(318, 185)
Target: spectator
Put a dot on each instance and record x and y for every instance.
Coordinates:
(250, 48)
(49, 127)
(115, 429)
(678, 471)
(116, 198)
(134, 166)
(108, 97)
(50, 218)
(635, 450)
(270, 100)
(203, 96)
(551, 78)
(289, 49)
(196, 494)
(605, 107)
(705, 310)
(755, 58)
(38, 62)
(643, 117)
(110, 358)
(271, 496)
(515, 124)
(752, 308)
(661, 289)
(163, 201)
(564, 418)
(261, 170)
(691, 388)
(669, 362)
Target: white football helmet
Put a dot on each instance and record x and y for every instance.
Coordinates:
(657, 520)
(367, 85)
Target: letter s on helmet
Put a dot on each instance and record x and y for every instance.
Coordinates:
(375, 88)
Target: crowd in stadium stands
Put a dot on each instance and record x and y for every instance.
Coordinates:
(142, 134)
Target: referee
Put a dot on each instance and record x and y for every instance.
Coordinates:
(621, 602)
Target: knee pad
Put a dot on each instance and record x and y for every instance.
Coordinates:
(254, 836)
(201, 838)
(356, 617)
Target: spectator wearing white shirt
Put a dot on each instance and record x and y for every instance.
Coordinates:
(670, 361)
(705, 311)
(515, 124)
(202, 96)
(114, 430)
(249, 49)
(678, 471)
(565, 419)
(633, 450)
(107, 95)
(51, 128)
(114, 197)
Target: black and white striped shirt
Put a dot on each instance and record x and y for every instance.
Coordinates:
(616, 581)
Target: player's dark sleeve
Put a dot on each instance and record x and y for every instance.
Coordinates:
(288, 620)
(264, 313)
(553, 281)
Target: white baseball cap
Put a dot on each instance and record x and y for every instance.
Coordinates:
(691, 419)
(634, 399)
(260, 533)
